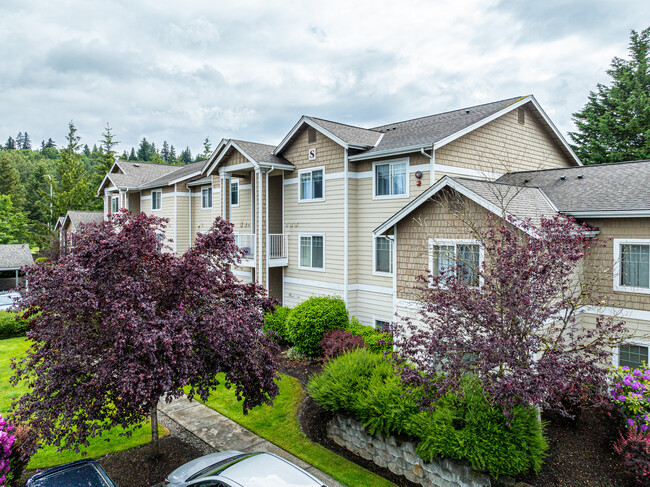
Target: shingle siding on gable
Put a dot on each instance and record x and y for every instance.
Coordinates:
(505, 145)
(328, 154)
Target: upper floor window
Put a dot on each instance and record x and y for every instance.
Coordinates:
(632, 265)
(156, 199)
(234, 193)
(311, 182)
(391, 179)
(115, 204)
(312, 251)
(383, 255)
(206, 197)
(458, 258)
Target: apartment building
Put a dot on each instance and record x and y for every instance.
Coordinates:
(305, 211)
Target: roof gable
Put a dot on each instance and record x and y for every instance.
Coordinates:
(257, 154)
(15, 256)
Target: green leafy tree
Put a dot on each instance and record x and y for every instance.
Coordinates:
(10, 180)
(14, 227)
(72, 188)
(614, 125)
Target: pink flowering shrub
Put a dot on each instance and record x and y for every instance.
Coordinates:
(6, 441)
(630, 391)
(634, 448)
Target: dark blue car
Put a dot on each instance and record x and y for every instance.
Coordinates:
(82, 473)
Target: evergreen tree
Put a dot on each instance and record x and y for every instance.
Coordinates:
(14, 227)
(11, 144)
(19, 140)
(125, 156)
(96, 150)
(50, 144)
(27, 142)
(87, 152)
(132, 156)
(72, 189)
(42, 146)
(614, 125)
(10, 181)
(146, 151)
(164, 152)
(106, 155)
(207, 149)
(185, 157)
(172, 155)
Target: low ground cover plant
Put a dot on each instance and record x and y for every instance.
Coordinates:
(464, 425)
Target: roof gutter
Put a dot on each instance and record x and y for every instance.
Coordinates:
(644, 213)
(390, 152)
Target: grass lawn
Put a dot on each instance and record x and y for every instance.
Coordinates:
(279, 425)
(48, 456)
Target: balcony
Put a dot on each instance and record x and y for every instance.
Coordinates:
(246, 242)
(278, 249)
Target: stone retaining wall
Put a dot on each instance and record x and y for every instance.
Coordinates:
(401, 459)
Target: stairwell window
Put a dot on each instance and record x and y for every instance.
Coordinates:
(391, 179)
(206, 197)
(383, 256)
(632, 265)
(312, 251)
(156, 200)
(312, 184)
(458, 258)
(115, 204)
(234, 193)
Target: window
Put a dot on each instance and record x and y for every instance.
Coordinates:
(312, 251)
(115, 204)
(391, 179)
(156, 199)
(311, 185)
(462, 257)
(234, 193)
(632, 355)
(206, 197)
(632, 265)
(383, 255)
(382, 325)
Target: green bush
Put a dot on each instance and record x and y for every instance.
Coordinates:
(275, 324)
(464, 426)
(310, 320)
(371, 336)
(12, 325)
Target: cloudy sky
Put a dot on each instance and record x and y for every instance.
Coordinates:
(248, 69)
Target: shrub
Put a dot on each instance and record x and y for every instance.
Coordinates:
(336, 342)
(385, 408)
(22, 449)
(275, 324)
(12, 325)
(375, 340)
(634, 447)
(630, 391)
(6, 442)
(294, 354)
(310, 320)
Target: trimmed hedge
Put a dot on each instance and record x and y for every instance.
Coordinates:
(312, 319)
(12, 325)
(275, 324)
(465, 426)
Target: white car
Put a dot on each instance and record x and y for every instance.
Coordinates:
(9, 300)
(236, 469)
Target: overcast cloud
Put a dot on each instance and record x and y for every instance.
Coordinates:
(181, 71)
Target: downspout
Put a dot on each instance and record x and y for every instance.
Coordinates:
(432, 168)
(258, 231)
(175, 217)
(345, 226)
(189, 194)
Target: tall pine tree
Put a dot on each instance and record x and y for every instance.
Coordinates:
(11, 144)
(614, 125)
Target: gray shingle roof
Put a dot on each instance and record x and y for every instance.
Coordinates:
(15, 256)
(522, 202)
(177, 173)
(82, 217)
(137, 173)
(428, 130)
(622, 186)
(261, 153)
(349, 133)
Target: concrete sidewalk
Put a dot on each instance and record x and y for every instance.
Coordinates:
(222, 433)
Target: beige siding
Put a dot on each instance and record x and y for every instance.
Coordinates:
(294, 294)
(202, 218)
(369, 306)
(328, 154)
(505, 145)
(240, 215)
(166, 211)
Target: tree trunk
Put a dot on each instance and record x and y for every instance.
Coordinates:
(154, 429)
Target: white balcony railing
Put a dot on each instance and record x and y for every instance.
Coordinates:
(246, 242)
(278, 246)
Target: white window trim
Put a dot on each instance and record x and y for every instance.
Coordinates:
(402, 160)
(115, 198)
(152, 199)
(617, 265)
(454, 241)
(239, 188)
(375, 272)
(616, 350)
(317, 269)
(209, 189)
(311, 200)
